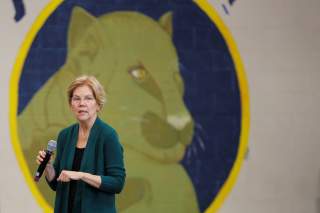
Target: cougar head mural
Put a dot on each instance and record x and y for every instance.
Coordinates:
(134, 57)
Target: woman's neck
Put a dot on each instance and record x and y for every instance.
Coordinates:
(85, 126)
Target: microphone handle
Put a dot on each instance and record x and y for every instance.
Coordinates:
(42, 166)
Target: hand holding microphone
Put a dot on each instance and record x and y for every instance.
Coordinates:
(43, 158)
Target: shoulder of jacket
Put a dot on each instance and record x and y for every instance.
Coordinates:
(106, 129)
(67, 130)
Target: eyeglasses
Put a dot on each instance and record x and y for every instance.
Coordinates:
(85, 99)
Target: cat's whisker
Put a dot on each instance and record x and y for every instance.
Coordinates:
(200, 128)
(194, 149)
(188, 155)
(201, 142)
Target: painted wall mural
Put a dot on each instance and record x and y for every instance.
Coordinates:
(19, 9)
(176, 90)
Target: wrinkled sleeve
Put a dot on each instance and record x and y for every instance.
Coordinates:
(56, 164)
(114, 178)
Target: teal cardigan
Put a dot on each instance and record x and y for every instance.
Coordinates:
(103, 156)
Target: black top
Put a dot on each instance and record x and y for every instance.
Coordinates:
(73, 183)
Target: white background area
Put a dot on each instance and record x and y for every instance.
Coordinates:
(279, 42)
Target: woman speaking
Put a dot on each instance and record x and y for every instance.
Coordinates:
(88, 169)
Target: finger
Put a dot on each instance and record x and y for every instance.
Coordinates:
(62, 177)
(42, 153)
(66, 176)
(39, 158)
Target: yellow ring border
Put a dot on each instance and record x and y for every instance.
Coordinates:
(13, 100)
(244, 95)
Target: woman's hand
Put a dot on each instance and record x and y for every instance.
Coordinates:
(40, 157)
(93, 180)
(49, 171)
(66, 176)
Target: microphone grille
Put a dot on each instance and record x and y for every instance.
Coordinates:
(52, 145)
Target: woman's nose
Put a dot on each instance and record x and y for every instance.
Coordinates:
(82, 102)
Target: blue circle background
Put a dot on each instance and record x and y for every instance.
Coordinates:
(211, 88)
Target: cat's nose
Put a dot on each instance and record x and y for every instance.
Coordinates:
(179, 122)
(184, 126)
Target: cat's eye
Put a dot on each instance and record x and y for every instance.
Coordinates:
(139, 73)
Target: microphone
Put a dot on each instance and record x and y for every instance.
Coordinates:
(50, 148)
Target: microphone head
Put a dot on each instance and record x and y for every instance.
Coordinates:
(52, 145)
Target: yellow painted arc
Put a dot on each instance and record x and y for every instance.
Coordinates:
(245, 108)
(13, 100)
(244, 94)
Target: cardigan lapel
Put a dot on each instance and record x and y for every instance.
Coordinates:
(89, 150)
(71, 147)
(91, 144)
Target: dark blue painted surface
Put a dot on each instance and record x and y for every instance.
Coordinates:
(212, 91)
(231, 2)
(19, 9)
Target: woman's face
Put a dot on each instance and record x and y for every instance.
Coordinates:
(83, 104)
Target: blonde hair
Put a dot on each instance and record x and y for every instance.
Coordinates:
(90, 81)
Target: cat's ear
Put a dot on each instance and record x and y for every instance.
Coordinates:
(165, 22)
(81, 20)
